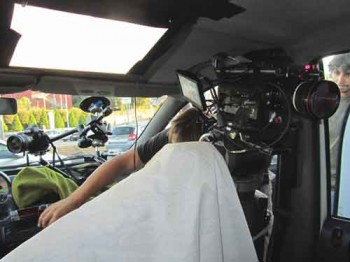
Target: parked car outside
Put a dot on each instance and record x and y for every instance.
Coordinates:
(6, 157)
(122, 138)
(73, 137)
(52, 133)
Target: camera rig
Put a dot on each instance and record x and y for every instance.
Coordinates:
(249, 113)
(35, 141)
(253, 97)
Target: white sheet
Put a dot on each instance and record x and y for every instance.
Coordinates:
(182, 206)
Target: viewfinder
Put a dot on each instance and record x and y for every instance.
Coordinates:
(191, 89)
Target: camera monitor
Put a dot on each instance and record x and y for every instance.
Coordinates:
(191, 89)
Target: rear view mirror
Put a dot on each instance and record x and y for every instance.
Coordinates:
(8, 106)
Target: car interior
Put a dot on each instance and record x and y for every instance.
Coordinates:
(256, 70)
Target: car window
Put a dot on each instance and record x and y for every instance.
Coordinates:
(337, 69)
(343, 190)
(55, 114)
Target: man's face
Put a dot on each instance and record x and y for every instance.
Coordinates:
(342, 78)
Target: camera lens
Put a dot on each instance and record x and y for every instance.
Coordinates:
(326, 99)
(18, 143)
(317, 99)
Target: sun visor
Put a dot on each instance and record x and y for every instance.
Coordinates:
(146, 12)
(15, 82)
(8, 37)
(92, 87)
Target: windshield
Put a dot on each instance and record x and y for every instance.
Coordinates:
(55, 114)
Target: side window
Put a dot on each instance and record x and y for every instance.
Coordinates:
(337, 69)
(343, 192)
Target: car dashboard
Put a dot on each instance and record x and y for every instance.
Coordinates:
(19, 224)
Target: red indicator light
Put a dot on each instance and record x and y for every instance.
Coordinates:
(132, 137)
(307, 67)
(278, 120)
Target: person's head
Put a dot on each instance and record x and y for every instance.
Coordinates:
(185, 127)
(340, 73)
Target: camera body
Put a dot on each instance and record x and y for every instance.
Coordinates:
(257, 94)
(249, 108)
(253, 110)
(33, 140)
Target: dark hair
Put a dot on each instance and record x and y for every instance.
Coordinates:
(340, 61)
(186, 127)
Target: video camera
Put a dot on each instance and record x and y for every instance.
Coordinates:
(253, 100)
(254, 95)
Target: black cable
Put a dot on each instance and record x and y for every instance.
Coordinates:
(289, 115)
(137, 132)
(264, 148)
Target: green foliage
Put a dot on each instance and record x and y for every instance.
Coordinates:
(24, 116)
(37, 114)
(8, 119)
(32, 120)
(4, 127)
(73, 117)
(44, 121)
(76, 111)
(16, 125)
(59, 123)
(73, 120)
(23, 104)
(82, 119)
(63, 113)
(116, 103)
(76, 116)
(142, 102)
(29, 116)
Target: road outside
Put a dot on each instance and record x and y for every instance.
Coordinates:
(70, 148)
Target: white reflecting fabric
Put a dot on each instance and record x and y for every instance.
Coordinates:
(182, 206)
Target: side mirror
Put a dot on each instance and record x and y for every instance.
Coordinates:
(8, 106)
(342, 205)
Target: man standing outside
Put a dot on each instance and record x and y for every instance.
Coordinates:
(339, 68)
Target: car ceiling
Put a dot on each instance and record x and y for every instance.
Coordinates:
(306, 30)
